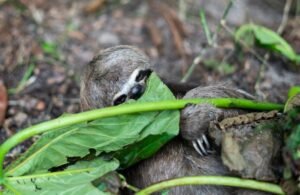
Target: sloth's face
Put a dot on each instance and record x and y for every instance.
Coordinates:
(134, 86)
(114, 76)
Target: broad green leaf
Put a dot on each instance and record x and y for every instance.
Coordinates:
(76, 179)
(267, 39)
(109, 135)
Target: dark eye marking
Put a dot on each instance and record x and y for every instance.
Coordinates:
(143, 74)
(136, 91)
(121, 99)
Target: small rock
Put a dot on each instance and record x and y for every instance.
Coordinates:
(20, 118)
(40, 105)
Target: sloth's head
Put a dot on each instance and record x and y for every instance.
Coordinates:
(115, 75)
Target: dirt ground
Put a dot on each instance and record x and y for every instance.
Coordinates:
(44, 45)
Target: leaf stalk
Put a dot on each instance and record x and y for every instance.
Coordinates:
(213, 180)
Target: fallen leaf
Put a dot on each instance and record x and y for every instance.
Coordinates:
(176, 28)
(155, 34)
(76, 35)
(94, 6)
(40, 105)
(231, 154)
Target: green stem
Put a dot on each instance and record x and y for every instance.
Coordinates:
(212, 40)
(25, 78)
(205, 27)
(225, 13)
(213, 180)
(192, 67)
(124, 109)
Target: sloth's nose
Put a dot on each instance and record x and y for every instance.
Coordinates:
(136, 91)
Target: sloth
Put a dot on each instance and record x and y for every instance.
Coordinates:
(120, 73)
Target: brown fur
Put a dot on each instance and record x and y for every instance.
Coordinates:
(195, 119)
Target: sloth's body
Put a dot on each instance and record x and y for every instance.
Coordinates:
(176, 159)
(114, 75)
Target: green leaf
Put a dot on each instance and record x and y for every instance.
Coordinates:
(245, 34)
(76, 179)
(25, 78)
(108, 135)
(51, 48)
(293, 91)
(268, 39)
(293, 100)
(292, 113)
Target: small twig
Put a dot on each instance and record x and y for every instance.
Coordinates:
(225, 13)
(260, 58)
(22, 84)
(205, 27)
(130, 187)
(176, 29)
(285, 16)
(280, 30)
(182, 10)
(211, 41)
(261, 74)
(192, 67)
(126, 185)
(263, 60)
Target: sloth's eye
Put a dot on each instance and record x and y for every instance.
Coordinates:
(136, 91)
(119, 100)
(142, 75)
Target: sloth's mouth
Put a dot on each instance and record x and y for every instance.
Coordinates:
(134, 88)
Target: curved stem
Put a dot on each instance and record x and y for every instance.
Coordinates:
(124, 109)
(213, 180)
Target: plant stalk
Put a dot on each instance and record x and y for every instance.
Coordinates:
(213, 180)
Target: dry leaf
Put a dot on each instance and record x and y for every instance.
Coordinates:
(94, 6)
(176, 28)
(155, 34)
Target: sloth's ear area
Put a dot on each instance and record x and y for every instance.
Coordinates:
(134, 87)
(143, 74)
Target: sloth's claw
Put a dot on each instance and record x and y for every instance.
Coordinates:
(202, 146)
(197, 148)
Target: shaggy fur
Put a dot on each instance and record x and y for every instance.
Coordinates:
(104, 77)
